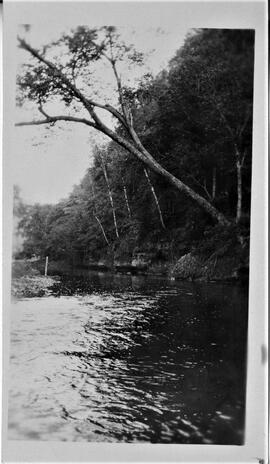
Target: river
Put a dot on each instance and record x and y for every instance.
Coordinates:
(118, 358)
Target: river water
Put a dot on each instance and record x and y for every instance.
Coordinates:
(114, 358)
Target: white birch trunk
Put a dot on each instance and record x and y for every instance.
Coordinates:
(239, 190)
(102, 229)
(126, 198)
(155, 198)
(239, 164)
(96, 217)
(214, 184)
(110, 195)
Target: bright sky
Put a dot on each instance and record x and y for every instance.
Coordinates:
(49, 162)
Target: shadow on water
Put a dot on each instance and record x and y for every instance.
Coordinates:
(155, 361)
(82, 281)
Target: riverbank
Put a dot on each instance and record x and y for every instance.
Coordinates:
(218, 259)
(221, 255)
(28, 282)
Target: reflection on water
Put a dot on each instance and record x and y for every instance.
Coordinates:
(129, 359)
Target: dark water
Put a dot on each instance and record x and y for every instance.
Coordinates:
(118, 358)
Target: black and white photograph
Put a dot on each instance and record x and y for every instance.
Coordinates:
(130, 167)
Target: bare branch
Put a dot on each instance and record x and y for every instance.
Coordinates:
(120, 89)
(203, 186)
(222, 115)
(112, 62)
(54, 119)
(243, 159)
(242, 128)
(42, 111)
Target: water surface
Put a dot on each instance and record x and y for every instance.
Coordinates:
(114, 358)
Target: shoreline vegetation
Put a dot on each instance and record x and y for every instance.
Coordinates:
(31, 286)
(28, 281)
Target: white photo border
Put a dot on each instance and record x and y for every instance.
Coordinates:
(215, 14)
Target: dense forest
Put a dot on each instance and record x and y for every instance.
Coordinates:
(179, 184)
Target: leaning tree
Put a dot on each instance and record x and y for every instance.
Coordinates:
(64, 71)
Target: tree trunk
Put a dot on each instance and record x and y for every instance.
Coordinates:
(155, 198)
(239, 186)
(214, 184)
(126, 198)
(110, 194)
(95, 215)
(143, 155)
(102, 228)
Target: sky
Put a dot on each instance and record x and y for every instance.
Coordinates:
(48, 163)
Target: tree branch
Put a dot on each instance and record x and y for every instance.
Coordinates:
(243, 159)
(203, 186)
(42, 111)
(224, 119)
(111, 60)
(87, 102)
(242, 128)
(24, 45)
(54, 119)
(222, 115)
(89, 105)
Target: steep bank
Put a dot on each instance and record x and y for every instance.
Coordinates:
(220, 254)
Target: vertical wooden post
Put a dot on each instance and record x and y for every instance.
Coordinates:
(46, 266)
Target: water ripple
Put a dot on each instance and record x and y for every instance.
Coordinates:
(155, 363)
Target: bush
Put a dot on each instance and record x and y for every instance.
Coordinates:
(21, 268)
